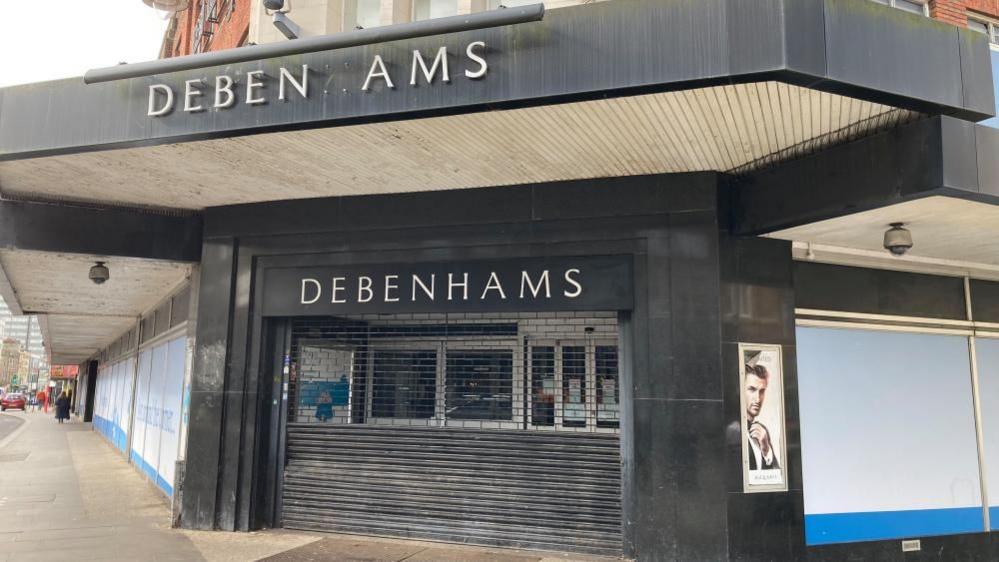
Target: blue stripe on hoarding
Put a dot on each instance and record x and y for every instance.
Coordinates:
(831, 528)
(101, 425)
(994, 517)
(122, 440)
(162, 483)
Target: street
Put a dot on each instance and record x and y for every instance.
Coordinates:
(8, 424)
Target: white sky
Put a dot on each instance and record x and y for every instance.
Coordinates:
(49, 39)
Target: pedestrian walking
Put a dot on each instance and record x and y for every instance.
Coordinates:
(62, 407)
(39, 399)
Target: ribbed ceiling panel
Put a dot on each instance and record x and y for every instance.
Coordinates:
(83, 317)
(726, 128)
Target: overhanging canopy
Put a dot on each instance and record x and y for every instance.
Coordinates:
(616, 88)
(610, 89)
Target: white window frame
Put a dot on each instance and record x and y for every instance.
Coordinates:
(349, 13)
(516, 420)
(968, 328)
(412, 7)
(892, 3)
(495, 4)
(441, 347)
(992, 26)
(590, 396)
(434, 345)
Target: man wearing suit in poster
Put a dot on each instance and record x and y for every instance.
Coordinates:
(761, 451)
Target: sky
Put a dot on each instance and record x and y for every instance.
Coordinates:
(49, 39)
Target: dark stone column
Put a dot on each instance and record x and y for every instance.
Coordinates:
(675, 504)
(758, 307)
(208, 381)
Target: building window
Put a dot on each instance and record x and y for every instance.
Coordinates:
(481, 372)
(888, 437)
(361, 14)
(211, 13)
(920, 7)
(987, 26)
(479, 385)
(430, 9)
(493, 4)
(608, 408)
(574, 388)
(543, 386)
(404, 383)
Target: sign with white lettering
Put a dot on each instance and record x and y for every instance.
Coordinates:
(523, 285)
(227, 90)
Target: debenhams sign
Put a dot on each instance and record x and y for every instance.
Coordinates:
(533, 284)
(225, 91)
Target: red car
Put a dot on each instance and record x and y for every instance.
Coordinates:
(12, 401)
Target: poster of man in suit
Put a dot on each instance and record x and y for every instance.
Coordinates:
(762, 398)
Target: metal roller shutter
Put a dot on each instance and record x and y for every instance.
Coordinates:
(473, 428)
(510, 488)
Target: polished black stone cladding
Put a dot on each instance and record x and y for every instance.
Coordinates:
(672, 394)
(698, 292)
(985, 300)
(757, 276)
(877, 291)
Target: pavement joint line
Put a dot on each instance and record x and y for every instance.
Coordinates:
(413, 554)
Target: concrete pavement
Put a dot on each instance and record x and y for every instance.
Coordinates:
(48, 512)
(66, 494)
(8, 424)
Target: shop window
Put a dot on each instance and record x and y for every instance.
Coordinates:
(147, 328)
(477, 373)
(920, 7)
(161, 317)
(574, 386)
(479, 385)
(430, 9)
(404, 384)
(987, 352)
(543, 387)
(179, 307)
(888, 435)
(361, 14)
(607, 388)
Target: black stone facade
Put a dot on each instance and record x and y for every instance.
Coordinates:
(699, 289)
(682, 483)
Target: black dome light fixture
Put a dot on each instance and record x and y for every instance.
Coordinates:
(898, 240)
(99, 273)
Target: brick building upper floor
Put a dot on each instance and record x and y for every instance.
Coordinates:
(212, 25)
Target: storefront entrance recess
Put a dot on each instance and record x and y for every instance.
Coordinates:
(493, 429)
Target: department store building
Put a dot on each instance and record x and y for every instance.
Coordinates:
(606, 279)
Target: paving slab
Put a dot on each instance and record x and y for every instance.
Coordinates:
(67, 494)
(47, 510)
(353, 548)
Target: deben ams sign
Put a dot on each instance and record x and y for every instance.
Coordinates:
(255, 87)
(532, 284)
